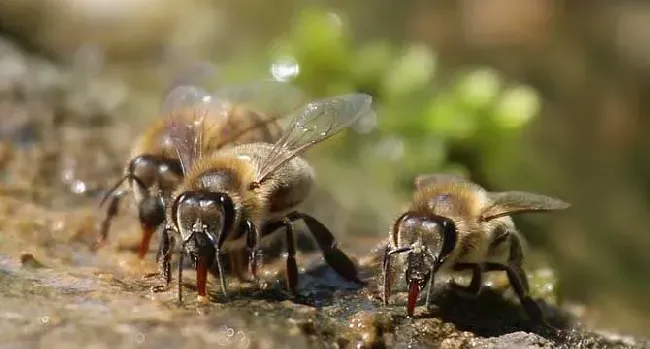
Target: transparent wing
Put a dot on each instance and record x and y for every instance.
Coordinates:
(312, 124)
(190, 74)
(186, 108)
(272, 99)
(192, 111)
(267, 95)
(427, 179)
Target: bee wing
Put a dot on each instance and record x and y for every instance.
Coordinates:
(274, 99)
(425, 180)
(190, 74)
(190, 110)
(513, 202)
(267, 95)
(312, 124)
(185, 108)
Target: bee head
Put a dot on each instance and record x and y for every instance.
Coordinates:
(427, 241)
(203, 219)
(148, 173)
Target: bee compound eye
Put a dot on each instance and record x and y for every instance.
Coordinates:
(448, 233)
(177, 203)
(144, 169)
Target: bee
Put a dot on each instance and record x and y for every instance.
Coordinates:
(154, 170)
(453, 224)
(232, 198)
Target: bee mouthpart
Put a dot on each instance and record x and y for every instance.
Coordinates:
(414, 286)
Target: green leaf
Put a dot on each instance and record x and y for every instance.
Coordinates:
(446, 117)
(320, 40)
(412, 71)
(516, 107)
(478, 89)
(371, 61)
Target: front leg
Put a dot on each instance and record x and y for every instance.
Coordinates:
(475, 285)
(252, 242)
(105, 225)
(327, 243)
(386, 271)
(163, 257)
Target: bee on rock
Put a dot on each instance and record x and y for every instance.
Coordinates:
(232, 198)
(154, 169)
(453, 224)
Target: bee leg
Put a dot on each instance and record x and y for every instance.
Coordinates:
(386, 269)
(236, 262)
(218, 259)
(252, 242)
(163, 257)
(179, 289)
(222, 277)
(292, 267)
(333, 255)
(105, 225)
(518, 280)
(475, 285)
(427, 302)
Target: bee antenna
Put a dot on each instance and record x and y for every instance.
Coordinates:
(117, 185)
(399, 250)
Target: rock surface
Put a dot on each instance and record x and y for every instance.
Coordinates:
(56, 292)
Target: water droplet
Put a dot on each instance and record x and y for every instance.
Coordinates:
(79, 187)
(285, 69)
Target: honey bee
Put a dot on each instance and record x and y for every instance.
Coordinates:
(452, 225)
(232, 198)
(154, 170)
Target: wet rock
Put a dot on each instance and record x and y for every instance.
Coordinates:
(6, 153)
(84, 298)
(368, 329)
(27, 260)
(514, 340)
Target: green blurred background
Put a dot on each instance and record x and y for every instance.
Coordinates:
(534, 95)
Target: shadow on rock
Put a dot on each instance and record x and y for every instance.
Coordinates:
(491, 314)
